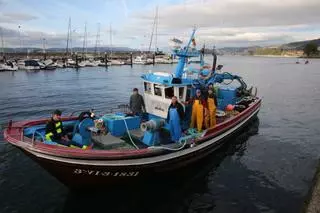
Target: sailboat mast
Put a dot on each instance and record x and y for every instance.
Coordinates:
(84, 39)
(43, 44)
(68, 36)
(96, 49)
(156, 37)
(110, 39)
(2, 43)
(153, 27)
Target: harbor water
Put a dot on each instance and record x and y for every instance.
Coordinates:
(266, 168)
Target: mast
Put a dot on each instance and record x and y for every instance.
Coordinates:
(96, 49)
(156, 37)
(44, 46)
(19, 27)
(68, 36)
(84, 48)
(153, 27)
(2, 43)
(183, 54)
(110, 39)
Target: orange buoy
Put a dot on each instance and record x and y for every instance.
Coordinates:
(229, 107)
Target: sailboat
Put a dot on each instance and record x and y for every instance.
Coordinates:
(6, 65)
(113, 61)
(159, 55)
(69, 61)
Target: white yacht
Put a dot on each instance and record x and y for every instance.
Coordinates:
(116, 62)
(141, 60)
(50, 64)
(8, 66)
(70, 63)
(29, 65)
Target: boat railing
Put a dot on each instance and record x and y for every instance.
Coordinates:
(119, 108)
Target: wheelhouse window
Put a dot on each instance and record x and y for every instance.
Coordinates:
(169, 92)
(188, 96)
(147, 87)
(157, 90)
(181, 93)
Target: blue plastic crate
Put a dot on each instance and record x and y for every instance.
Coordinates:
(116, 124)
(227, 95)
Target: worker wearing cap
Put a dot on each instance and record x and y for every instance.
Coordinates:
(54, 129)
(136, 104)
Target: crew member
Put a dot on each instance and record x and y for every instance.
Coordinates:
(136, 104)
(54, 129)
(199, 108)
(174, 118)
(212, 108)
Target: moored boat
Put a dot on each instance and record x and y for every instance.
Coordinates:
(29, 65)
(8, 66)
(119, 147)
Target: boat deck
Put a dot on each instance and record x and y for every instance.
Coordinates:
(109, 142)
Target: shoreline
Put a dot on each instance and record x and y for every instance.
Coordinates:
(277, 56)
(312, 201)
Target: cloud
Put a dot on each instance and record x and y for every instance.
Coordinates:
(219, 22)
(15, 17)
(35, 38)
(234, 21)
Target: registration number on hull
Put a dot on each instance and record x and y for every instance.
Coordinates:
(105, 173)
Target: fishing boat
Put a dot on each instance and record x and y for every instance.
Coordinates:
(119, 147)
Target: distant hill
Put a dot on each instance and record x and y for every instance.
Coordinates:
(75, 49)
(299, 45)
(238, 50)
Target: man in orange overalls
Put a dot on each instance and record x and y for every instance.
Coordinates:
(199, 108)
(212, 108)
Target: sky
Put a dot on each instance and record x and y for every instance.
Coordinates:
(220, 23)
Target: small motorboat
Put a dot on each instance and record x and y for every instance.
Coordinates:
(119, 147)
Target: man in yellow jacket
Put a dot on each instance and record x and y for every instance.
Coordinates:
(55, 131)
